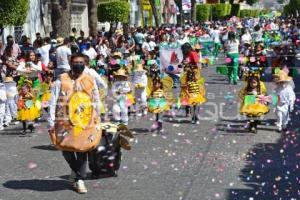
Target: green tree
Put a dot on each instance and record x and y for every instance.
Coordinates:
(251, 2)
(115, 11)
(293, 7)
(12, 12)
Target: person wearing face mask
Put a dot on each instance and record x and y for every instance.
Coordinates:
(90, 51)
(74, 120)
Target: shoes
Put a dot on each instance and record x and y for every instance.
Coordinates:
(1, 128)
(80, 187)
(31, 127)
(16, 122)
(253, 130)
(6, 124)
(145, 112)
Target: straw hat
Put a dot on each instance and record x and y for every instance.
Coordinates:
(139, 68)
(8, 79)
(282, 76)
(121, 72)
(59, 41)
(117, 54)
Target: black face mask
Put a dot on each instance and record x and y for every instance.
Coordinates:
(78, 68)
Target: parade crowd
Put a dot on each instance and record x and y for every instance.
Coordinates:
(75, 83)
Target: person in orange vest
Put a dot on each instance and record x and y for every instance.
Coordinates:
(74, 118)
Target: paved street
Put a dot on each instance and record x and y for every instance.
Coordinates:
(217, 159)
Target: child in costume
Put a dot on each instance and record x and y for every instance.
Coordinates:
(120, 89)
(46, 91)
(157, 102)
(11, 103)
(192, 90)
(3, 100)
(27, 109)
(287, 97)
(251, 106)
(140, 82)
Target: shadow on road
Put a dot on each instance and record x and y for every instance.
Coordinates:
(38, 185)
(272, 170)
(45, 147)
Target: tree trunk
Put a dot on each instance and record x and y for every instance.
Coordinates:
(154, 11)
(93, 19)
(180, 17)
(193, 16)
(61, 17)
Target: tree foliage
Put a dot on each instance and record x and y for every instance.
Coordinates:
(116, 11)
(13, 12)
(251, 2)
(292, 7)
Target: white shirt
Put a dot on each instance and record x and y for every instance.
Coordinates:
(44, 51)
(34, 69)
(62, 57)
(102, 50)
(99, 81)
(146, 46)
(215, 34)
(91, 53)
(152, 45)
(246, 39)
(233, 47)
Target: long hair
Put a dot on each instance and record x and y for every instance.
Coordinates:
(231, 36)
(248, 88)
(186, 49)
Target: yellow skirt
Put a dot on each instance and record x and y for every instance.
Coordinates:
(28, 114)
(46, 97)
(195, 99)
(254, 110)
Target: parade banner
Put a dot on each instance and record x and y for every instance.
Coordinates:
(171, 56)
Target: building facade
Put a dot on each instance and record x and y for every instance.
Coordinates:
(39, 19)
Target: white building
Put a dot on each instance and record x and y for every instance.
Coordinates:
(39, 19)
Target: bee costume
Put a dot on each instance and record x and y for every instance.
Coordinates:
(250, 106)
(192, 92)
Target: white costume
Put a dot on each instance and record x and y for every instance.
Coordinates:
(286, 103)
(11, 107)
(120, 89)
(3, 99)
(140, 82)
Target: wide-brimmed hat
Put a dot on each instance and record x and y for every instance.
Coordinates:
(59, 41)
(117, 54)
(8, 79)
(139, 68)
(282, 76)
(121, 72)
